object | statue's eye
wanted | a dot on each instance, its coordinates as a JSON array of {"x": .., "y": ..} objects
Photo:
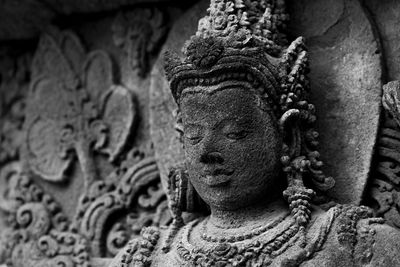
[
  {"x": 235, "y": 131},
  {"x": 193, "y": 134},
  {"x": 236, "y": 135},
  {"x": 193, "y": 139}
]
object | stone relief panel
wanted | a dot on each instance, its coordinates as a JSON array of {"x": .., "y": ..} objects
[
  {"x": 83, "y": 123},
  {"x": 77, "y": 182}
]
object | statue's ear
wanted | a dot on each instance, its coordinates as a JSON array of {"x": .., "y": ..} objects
[
  {"x": 289, "y": 126},
  {"x": 178, "y": 126}
]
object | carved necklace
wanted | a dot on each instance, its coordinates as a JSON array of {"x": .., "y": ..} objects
[
  {"x": 259, "y": 252},
  {"x": 232, "y": 239}
]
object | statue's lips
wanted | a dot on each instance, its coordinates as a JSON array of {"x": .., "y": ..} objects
[{"x": 218, "y": 177}]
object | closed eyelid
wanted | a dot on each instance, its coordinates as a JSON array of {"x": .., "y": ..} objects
[
  {"x": 236, "y": 125},
  {"x": 193, "y": 133}
]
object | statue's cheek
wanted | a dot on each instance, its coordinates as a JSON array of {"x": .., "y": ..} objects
[{"x": 191, "y": 154}]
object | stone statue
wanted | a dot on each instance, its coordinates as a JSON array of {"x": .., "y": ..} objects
[{"x": 248, "y": 133}]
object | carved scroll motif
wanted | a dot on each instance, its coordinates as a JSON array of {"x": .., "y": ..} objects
[
  {"x": 137, "y": 201},
  {"x": 39, "y": 234},
  {"x": 140, "y": 34},
  {"x": 38, "y": 231}
]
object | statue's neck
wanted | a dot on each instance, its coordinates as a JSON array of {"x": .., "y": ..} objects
[{"x": 248, "y": 215}]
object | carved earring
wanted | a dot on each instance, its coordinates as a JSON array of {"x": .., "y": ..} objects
[
  {"x": 296, "y": 194},
  {"x": 294, "y": 165},
  {"x": 174, "y": 200},
  {"x": 181, "y": 197},
  {"x": 183, "y": 193}
]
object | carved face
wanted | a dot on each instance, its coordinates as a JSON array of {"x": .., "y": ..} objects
[{"x": 232, "y": 146}]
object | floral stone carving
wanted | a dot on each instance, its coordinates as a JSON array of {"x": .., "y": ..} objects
[{"x": 75, "y": 108}]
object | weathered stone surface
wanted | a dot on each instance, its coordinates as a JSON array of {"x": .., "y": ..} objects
[
  {"x": 346, "y": 88},
  {"x": 76, "y": 6},
  {"x": 23, "y": 19},
  {"x": 387, "y": 18},
  {"x": 345, "y": 81}
]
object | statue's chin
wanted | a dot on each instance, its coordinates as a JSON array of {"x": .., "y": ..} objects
[{"x": 225, "y": 201}]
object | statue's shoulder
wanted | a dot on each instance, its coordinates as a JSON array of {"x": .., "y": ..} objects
[
  {"x": 357, "y": 236},
  {"x": 156, "y": 246},
  {"x": 380, "y": 242},
  {"x": 138, "y": 251}
]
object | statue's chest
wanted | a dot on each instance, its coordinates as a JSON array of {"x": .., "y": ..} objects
[
  {"x": 281, "y": 246},
  {"x": 265, "y": 250},
  {"x": 324, "y": 258},
  {"x": 223, "y": 256}
]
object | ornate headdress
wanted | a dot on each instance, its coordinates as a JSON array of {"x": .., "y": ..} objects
[{"x": 244, "y": 40}]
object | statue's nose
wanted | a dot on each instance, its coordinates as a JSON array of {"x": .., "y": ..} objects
[{"x": 212, "y": 157}]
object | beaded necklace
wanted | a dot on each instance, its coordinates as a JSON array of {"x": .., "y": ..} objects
[
  {"x": 272, "y": 245},
  {"x": 232, "y": 239}
]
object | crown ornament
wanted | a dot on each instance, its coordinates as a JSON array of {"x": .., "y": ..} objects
[
  {"x": 244, "y": 40},
  {"x": 246, "y": 23}
]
